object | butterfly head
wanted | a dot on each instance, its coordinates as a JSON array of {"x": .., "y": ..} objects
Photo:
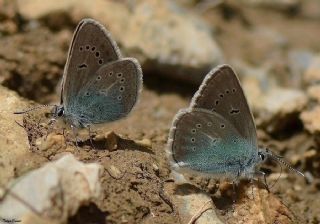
[
  {"x": 58, "y": 111},
  {"x": 266, "y": 153}
]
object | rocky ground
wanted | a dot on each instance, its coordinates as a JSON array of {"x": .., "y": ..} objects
[{"x": 124, "y": 177}]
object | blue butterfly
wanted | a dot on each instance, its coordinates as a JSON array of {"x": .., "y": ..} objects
[
  {"x": 98, "y": 85},
  {"x": 216, "y": 135}
]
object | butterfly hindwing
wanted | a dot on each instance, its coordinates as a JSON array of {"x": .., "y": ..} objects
[
  {"x": 110, "y": 94},
  {"x": 204, "y": 141},
  {"x": 222, "y": 93}
]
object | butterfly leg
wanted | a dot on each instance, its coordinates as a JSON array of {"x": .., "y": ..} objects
[
  {"x": 50, "y": 126},
  {"x": 75, "y": 134},
  {"x": 234, "y": 192},
  {"x": 64, "y": 136},
  {"x": 21, "y": 125},
  {"x": 90, "y": 136},
  {"x": 234, "y": 183},
  {"x": 251, "y": 183},
  {"x": 262, "y": 174}
]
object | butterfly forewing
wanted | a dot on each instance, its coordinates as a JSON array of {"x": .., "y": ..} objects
[
  {"x": 110, "y": 94},
  {"x": 91, "y": 48},
  {"x": 204, "y": 141},
  {"x": 221, "y": 92}
]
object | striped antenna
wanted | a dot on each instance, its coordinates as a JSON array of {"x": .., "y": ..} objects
[
  {"x": 281, "y": 161},
  {"x": 34, "y": 108}
]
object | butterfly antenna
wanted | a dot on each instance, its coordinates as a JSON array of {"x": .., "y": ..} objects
[
  {"x": 33, "y": 108},
  {"x": 281, "y": 161}
]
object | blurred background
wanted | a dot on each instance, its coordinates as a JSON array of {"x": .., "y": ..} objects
[{"x": 273, "y": 45}]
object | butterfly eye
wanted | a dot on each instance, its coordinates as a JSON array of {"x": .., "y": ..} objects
[
  {"x": 97, "y": 54},
  {"x": 193, "y": 139},
  {"x": 121, "y": 88},
  {"x": 87, "y": 47},
  {"x": 221, "y": 95},
  {"x": 227, "y": 91},
  {"x": 262, "y": 157},
  {"x": 110, "y": 73},
  {"x": 81, "y": 48},
  {"x": 222, "y": 126},
  {"x": 122, "y": 80},
  {"x": 217, "y": 102},
  {"x": 99, "y": 77},
  {"x": 193, "y": 131},
  {"x": 93, "y": 48},
  {"x": 60, "y": 112},
  {"x": 87, "y": 94},
  {"x": 100, "y": 62},
  {"x": 199, "y": 125},
  {"x": 119, "y": 97},
  {"x": 193, "y": 148},
  {"x": 233, "y": 90},
  {"x": 119, "y": 75}
]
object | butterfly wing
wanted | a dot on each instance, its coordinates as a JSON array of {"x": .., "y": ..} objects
[
  {"x": 91, "y": 47},
  {"x": 203, "y": 141},
  {"x": 110, "y": 94},
  {"x": 222, "y": 93}
]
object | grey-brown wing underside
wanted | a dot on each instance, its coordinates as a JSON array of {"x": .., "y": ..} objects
[
  {"x": 206, "y": 142},
  {"x": 110, "y": 94},
  {"x": 222, "y": 93},
  {"x": 91, "y": 47}
]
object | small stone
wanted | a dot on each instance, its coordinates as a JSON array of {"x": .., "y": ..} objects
[
  {"x": 191, "y": 204},
  {"x": 310, "y": 153},
  {"x": 297, "y": 187},
  {"x": 295, "y": 159},
  {"x": 52, "y": 140},
  {"x": 114, "y": 172},
  {"x": 309, "y": 177},
  {"x": 112, "y": 140},
  {"x": 155, "y": 167},
  {"x": 144, "y": 142},
  {"x": 277, "y": 176}
]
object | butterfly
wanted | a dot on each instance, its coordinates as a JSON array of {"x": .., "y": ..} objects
[
  {"x": 216, "y": 135},
  {"x": 98, "y": 84}
]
